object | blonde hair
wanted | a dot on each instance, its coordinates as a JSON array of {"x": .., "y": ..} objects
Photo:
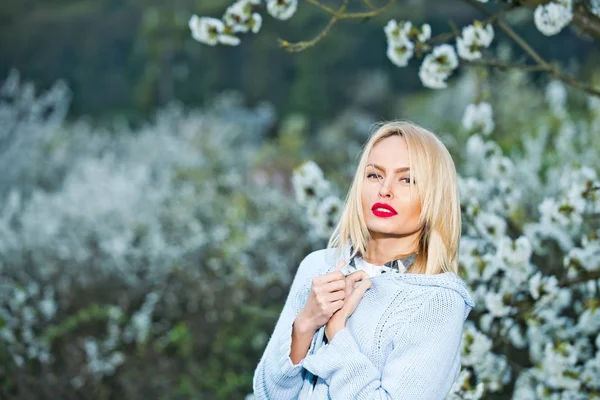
[{"x": 432, "y": 168}]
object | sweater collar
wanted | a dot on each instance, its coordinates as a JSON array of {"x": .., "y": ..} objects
[{"x": 399, "y": 265}]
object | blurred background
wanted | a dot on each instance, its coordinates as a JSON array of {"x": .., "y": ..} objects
[{"x": 149, "y": 230}]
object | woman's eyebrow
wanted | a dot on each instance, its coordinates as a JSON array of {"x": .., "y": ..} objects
[{"x": 401, "y": 169}]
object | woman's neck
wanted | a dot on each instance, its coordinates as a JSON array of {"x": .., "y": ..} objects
[{"x": 382, "y": 250}]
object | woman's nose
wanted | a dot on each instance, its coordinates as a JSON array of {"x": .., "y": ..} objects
[{"x": 384, "y": 190}]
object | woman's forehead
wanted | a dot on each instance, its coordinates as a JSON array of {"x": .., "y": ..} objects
[{"x": 389, "y": 153}]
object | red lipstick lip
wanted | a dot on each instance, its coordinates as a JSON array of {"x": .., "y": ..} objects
[{"x": 384, "y": 214}]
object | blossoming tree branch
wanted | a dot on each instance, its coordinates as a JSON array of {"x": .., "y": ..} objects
[{"x": 406, "y": 40}]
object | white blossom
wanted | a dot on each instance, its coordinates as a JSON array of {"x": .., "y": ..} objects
[
  {"x": 556, "y": 95},
  {"x": 516, "y": 337},
  {"x": 18, "y": 360},
  {"x": 577, "y": 191},
  {"x": 478, "y": 118},
  {"x": 396, "y": 32},
  {"x": 101, "y": 363},
  {"x": 237, "y": 16},
  {"x": 540, "y": 286},
  {"x": 492, "y": 264},
  {"x": 481, "y": 150},
  {"x": 516, "y": 252},
  {"x": 400, "y": 52},
  {"x": 473, "y": 39},
  {"x": 462, "y": 390},
  {"x": 210, "y": 31},
  {"x": 559, "y": 216},
  {"x": 229, "y": 40},
  {"x": 141, "y": 321},
  {"x": 551, "y": 18},
  {"x": 328, "y": 212},
  {"x": 525, "y": 385},
  {"x": 256, "y": 22},
  {"x": 48, "y": 308},
  {"x": 587, "y": 256},
  {"x": 400, "y": 47},
  {"x": 282, "y": 9},
  {"x": 495, "y": 304},
  {"x": 470, "y": 257},
  {"x": 438, "y": 66},
  {"x": 474, "y": 345},
  {"x": 490, "y": 226},
  {"x": 589, "y": 321},
  {"x": 590, "y": 375},
  {"x": 425, "y": 33},
  {"x": 595, "y": 7},
  {"x": 309, "y": 184},
  {"x": 493, "y": 370},
  {"x": 558, "y": 360}
]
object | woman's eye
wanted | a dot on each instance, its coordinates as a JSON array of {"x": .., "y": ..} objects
[{"x": 372, "y": 175}]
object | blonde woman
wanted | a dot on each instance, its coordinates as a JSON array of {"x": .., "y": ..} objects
[{"x": 379, "y": 313}]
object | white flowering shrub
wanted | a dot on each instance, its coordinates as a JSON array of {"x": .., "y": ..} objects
[
  {"x": 28, "y": 121},
  {"x": 134, "y": 253},
  {"x": 128, "y": 254},
  {"x": 530, "y": 249},
  {"x": 442, "y": 54}
]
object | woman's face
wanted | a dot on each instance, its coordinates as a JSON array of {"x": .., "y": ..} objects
[{"x": 386, "y": 202}]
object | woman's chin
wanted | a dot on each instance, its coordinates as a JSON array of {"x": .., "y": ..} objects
[
  {"x": 376, "y": 229},
  {"x": 383, "y": 229}
]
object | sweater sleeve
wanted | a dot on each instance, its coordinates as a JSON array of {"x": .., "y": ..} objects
[
  {"x": 276, "y": 377},
  {"x": 423, "y": 364}
]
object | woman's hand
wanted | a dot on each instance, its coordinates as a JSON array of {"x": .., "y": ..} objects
[
  {"x": 357, "y": 283},
  {"x": 326, "y": 296}
]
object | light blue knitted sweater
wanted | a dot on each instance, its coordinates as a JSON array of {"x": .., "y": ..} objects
[{"x": 401, "y": 342}]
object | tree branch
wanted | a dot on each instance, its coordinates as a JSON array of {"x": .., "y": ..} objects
[
  {"x": 586, "y": 21},
  {"x": 325, "y": 8},
  {"x": 590, "y": 276},
  {"x": 369, "y": 4},
  {"x": 303, "y": 45},
  {"x": 502, "y": 65}
]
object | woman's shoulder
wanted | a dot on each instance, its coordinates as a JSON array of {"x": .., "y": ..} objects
[
  {"x": 326, "y": 255},
  {"x": 319, "y": 261},
  {"x": 448, "y": 290}
]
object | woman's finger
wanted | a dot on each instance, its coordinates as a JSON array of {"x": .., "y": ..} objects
[
  {"x": 335, "y": 285},
  {"x": 361, "y": 288},
  {"x": 339, "y": 295},
  {"x": 357, "y": 276},
  {"x": 366, "y": 285},
  {"x": 355, "y": 296},
  {"x": 330, "y": 277},
  {"x": 335, "y": 275}
]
